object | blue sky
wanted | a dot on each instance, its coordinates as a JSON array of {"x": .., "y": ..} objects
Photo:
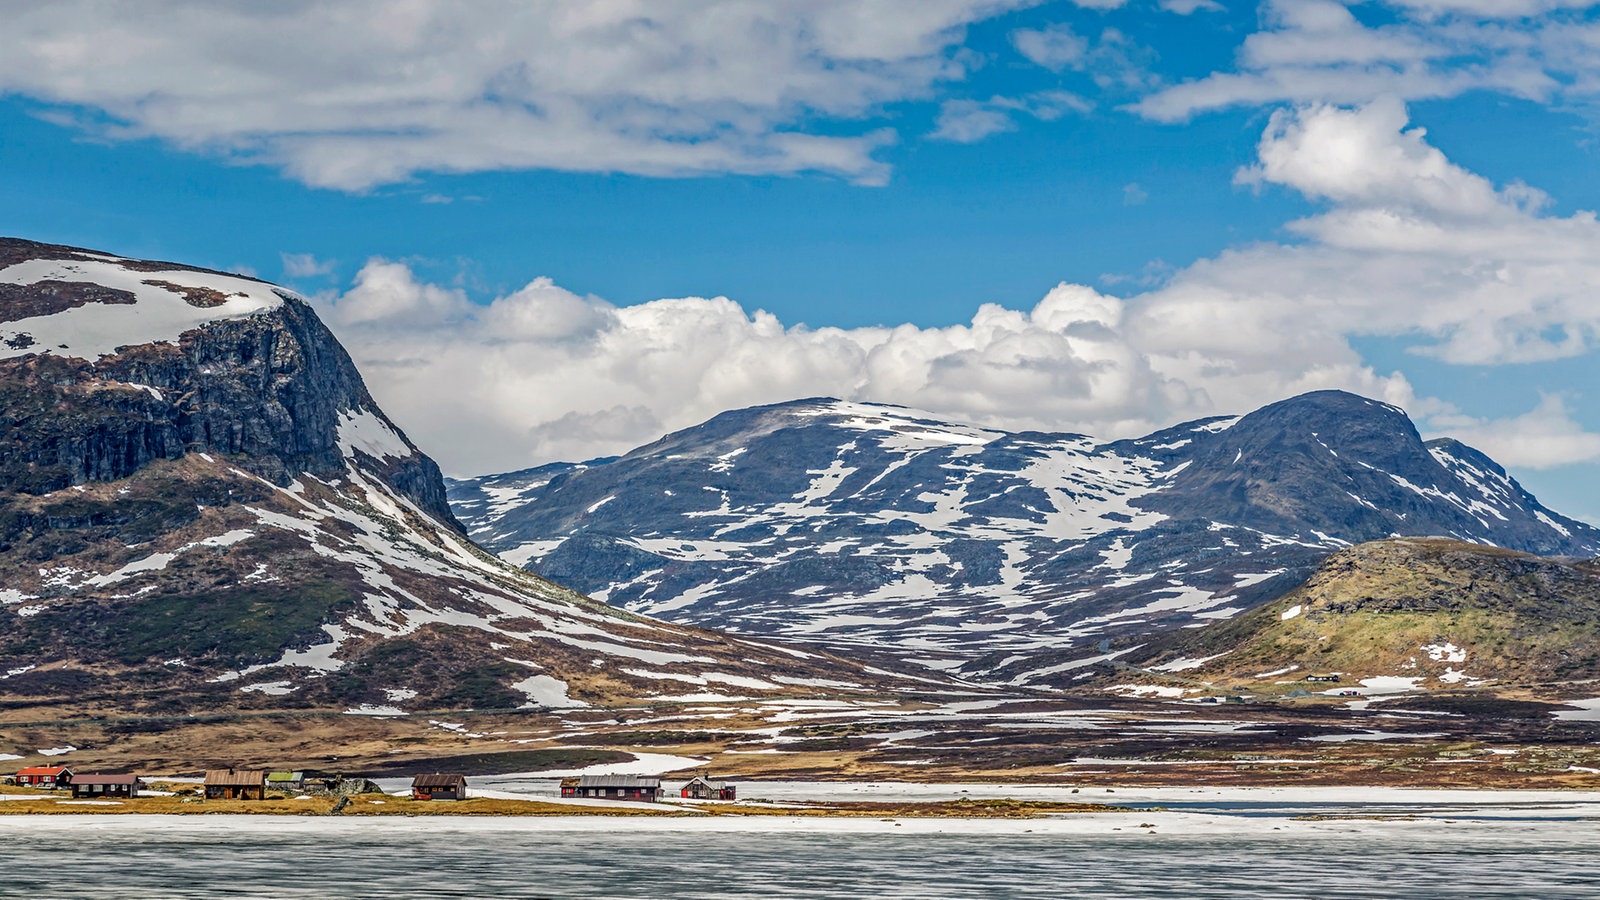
[{"x": 558, "y": 230}]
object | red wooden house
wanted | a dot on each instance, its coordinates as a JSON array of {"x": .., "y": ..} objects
[{"x": 48, "y": 777}]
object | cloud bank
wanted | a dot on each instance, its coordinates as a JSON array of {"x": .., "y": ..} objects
[
  {"x": 1409, "y": 246},
  {"x": 1320, "y": 51},
  {"x": 357, "y": 93}
]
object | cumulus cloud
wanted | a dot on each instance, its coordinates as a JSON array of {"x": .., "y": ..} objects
[
  {"x": 1319, "y": 51},
  {"x": 1542, "y": 438},
  {"x": 1410, "y": 247},
  {"x": 305, "y": 265},
  {"x": 358, "y": 93}
]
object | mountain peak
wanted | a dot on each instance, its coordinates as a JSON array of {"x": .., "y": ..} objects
[
  {"x": 856, "y": 524},
  {"x": 77, "y": 303}
]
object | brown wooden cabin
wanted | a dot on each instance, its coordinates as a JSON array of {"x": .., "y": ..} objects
[
  {"x": 702, "y": 788},
  {"x": 618, "y": 787},
  {"x": 236, "y": 784},
  {"x": 94, "y": 787},
  {"x": 439, "y": 787},
  {"x": 47, "y": 777}
]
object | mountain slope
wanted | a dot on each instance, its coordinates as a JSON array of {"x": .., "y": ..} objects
[
  {"x": 201, "y": 507},
  {"x": 1003, "y": 556},
  {"x": 1413, "y": 613}
]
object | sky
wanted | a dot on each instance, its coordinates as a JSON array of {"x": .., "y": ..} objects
[{"x": 558, "y": 230}]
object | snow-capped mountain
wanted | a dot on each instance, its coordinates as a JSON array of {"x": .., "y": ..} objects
[
  {"x": 1009, "y": 557},
  {"x": 201, "y": 507}
]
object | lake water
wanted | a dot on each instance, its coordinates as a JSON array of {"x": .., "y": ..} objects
[{"x": 1188, "y": 855}]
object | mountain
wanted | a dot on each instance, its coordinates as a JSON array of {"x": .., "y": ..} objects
[
  {"x": 1006, "y": 557},
  {"x": 202, "y": 508},
  {"x": 1404, "y": 614}
]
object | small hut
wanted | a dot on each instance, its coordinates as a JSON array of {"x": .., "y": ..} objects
[
  {"x": 569, "y": 787},
  {"x": 236, "y": 784},
  {"x": 47, "y": 777},
  {"x": 702, "y": 787},
  {"x": 619, "y": 787},
  {"x": 439, "y": 787},
  {"x": 100, "y": 787}
]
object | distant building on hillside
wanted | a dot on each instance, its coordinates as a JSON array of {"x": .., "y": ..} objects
[
  {"x": 1327, "y": 678},
  {"x": 615, "y": 787},
  {"x": 701, "y": 787},
  {"x": 439, "y": 787},
  {"x": 100, "y": 787},
  {"x": 47, "y": 777},
  {"x": 236, "y": 784}
]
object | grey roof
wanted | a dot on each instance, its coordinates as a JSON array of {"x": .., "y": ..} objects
[
  {"x": 619, "y": 781},
  {"x": 713, "y": 785}
]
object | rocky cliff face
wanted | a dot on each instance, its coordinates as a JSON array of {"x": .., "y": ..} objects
[
  {"x": 1007, "y": 557},
  {"x": 201, "y": 507},
  {"x": 274, "y": 389}
]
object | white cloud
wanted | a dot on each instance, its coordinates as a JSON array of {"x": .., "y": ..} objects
[
  {"x": 1319, "y": 51},
  {"x": 967, "y": 121},
  {"x": 305, "y": 265},
  {"x": 1055, "y": 47},
  {"x": 1133, "y": 194},
  {"x": 1542, "y": 438},
  {"x": 1411, "y": 247},
  {"x": 357, "y": 93},
  {"x": 1190, "y": 7}
]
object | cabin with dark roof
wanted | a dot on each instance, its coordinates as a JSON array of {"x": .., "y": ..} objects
[
  {"x": 701, "y": 787},
  {"x": 439, "y": 787},
  {"x": 616, "y": 787},
  {"x": 101, "y": 787},
  {"x": 236, "y": 784},
  {"x": 47, "y": 777}
]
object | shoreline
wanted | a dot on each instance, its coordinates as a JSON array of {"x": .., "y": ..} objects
[{"x": 1023, "y": 805}]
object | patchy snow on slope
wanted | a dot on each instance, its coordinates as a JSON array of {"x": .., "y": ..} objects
[
  {"x": 546, "y": 692},
  {"x": 1446, "y": 652},
  {"x": 158, "y": 315},
  {"x": 361, "y": 430}
]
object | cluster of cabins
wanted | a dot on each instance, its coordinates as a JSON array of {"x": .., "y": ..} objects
[
  {"x": 91, "y": 785},
  {"x": 253, "y": 784},
  {"x": 643, "y": 788}
]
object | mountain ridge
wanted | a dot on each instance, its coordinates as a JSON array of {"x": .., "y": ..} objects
[
  {"x": 204, "y": 509},
  {"x": 990, "y": 553}
]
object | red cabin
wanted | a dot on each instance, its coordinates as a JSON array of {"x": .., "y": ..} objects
[{"x": 47, "y": 777}]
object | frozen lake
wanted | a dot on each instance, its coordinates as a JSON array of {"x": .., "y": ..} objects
[{"x": 1521, "y": 846}]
